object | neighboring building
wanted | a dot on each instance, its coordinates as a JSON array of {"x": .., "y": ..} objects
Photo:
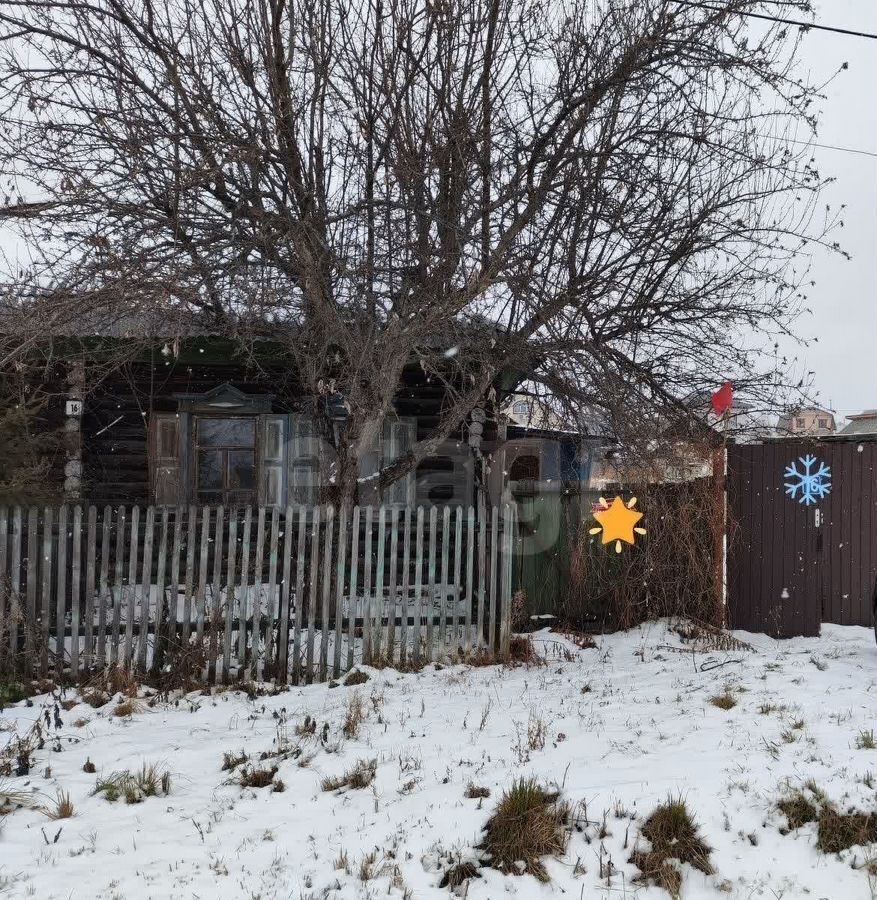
[
  {"x": 863, "y": 423},
  {"x": 807, "y": 421}
]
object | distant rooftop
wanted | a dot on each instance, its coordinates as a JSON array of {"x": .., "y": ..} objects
[{"x": 864, "y": 422}]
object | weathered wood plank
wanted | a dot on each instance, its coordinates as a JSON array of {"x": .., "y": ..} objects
[
  {"x": 470, "y": 575},
  {"x": 456, "y": 619},
  {"x": 327, "y": 591},
  {"x": 145, "y": 587},
  {"x": 15, "y": 581},
  {"x": 33, "y": 567},
  {"x": 506, "y": 597},
  {"x": 354, "y": 584},
  {"x": 482, "y": 572},
  {"x": 379, "y": 584},
  {"x": 133, "y": 551},
  {"x": 75, "y": 590},
  {"x": 215, "y": 617},
  {"x": 341, "y": 562},
  {"x": 203, "y": 562},
  {"x": 494, "y": 547},
  {"x": 106, "y": 525},
  {"x": 119, "y": 587},
  {"x": 367, "y": 588},
  {"x": 229, "y": 605},
  {"x": 90, "y": 578},
  {"x": 313, "y": 571},
  {"x": 4, "y": 586},
  {"x": 61, "y": 594},
  {"x": 418, "y": 587},
  {"x": 174, "y": 584},
  {"x": 285, "y": 599},
  {"x": 255, "y": 666},
  {"x": 301, "y": 550},
  {"x": 404, "y": 595},
  {"x": 158, "y": 647},
  {"x": 443, "y": 603},
  {"x": 430, "y": 597},
  {"x": 46, "y": 593},
  {"x": 271, "y": 611},
  {"x": 189, "y": 601},
  {"x": 390, "y": 639},
  {"x": 244, "y": 599}
]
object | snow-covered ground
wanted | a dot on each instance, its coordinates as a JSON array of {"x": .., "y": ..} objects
[{"x": 625, "y": 725}]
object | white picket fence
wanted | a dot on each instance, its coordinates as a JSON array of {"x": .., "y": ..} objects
[{"x": 299, "y": 594}]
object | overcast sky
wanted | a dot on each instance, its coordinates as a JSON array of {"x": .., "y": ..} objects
[{"x": 844, "y": 301}]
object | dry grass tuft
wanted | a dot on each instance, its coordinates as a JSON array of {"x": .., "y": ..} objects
[
  {"x": 148, "y": 781},
  {"x": 355, "y": 677},
  {"x": 233, "y": 760},
  {"x": 798, "y": 809},
  {"x": 354, "y": 714},
  {"x": 127, "y": 708},
  {"x": 522, "y": 652},
  {"x": 839, "y": 831},
  {"x": 473, "y": 791},
  {"x": 725, "y": 700},
  {"x": 865, "y": 740},
  {"x": 257, "y": 778},
  {"x": 528, "y": 823},
  {"x": 673, "y": 834},
  {"x": 89, "y": 767},
  {"x": 458, "y": 874},
  {"x": 62, "y": 807},
  {"x": 359, "y": 777}
]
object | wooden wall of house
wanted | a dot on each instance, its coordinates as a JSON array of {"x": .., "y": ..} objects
[{"x": 116, "y": 411}]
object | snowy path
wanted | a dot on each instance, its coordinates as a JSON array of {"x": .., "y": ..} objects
[{"x": 644, "y": 729}]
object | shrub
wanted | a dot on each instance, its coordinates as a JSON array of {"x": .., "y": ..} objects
[
  {"x": 522, "y": 652},
  {"x": 865, "y": 740},
  {"x": 88, "y": 767},
  {"x": 528, "y": 823},
  {"x": 673, "y": 834}
]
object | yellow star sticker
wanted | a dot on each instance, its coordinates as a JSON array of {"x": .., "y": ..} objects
[{"x": 618, "y": 522}]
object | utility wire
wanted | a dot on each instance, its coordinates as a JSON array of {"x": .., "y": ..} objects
[{"x": 805, "y": 25}]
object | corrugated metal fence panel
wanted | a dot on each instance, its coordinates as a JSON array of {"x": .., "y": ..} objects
[
  {"x": 769, "y": 589},
  {"x": 793, "y": 565}
]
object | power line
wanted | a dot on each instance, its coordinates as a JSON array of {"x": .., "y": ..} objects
[
  {"x": 830, "y": 146},
  {"x": 805, "y": 25}
]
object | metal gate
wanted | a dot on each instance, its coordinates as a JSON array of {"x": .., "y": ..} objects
[{"x": 797, "y": 560}]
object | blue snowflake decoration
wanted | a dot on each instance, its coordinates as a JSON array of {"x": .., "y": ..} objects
[{"x": 808, "y": 484}]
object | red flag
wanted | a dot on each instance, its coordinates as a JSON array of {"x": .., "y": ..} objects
[{"x": 723, "y": 399}]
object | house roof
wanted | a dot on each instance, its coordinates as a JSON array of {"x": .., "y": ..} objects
[{"x": 861, "y": 423}]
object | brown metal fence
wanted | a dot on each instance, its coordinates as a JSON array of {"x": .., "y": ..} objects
[
  {"x": 302, "y": 593},
  {"x": 794, "y": 564}
]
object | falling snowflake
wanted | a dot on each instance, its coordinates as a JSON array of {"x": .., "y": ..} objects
[{"x": 812, "y": 484}]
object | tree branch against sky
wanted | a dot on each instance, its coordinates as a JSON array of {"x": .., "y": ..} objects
[{"x": 600, "y": 189}]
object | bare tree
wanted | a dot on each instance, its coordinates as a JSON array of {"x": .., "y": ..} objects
[{"x": 609, "y": 193}]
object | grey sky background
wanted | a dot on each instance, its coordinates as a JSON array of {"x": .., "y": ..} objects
[{"x": 844, "y": 300}]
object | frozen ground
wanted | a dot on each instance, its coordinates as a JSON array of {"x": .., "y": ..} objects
[{"x": 625, "y": 724}]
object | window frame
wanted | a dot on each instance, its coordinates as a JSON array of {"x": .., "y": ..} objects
[{"x": 197, "y": 448}]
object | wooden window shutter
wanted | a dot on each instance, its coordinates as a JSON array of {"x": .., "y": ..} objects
[
  {"x": 399, "y": 435},
  {"x": 305, "y": 461},
  {"x": 166, "y": 432},
  {"x": 272, "y": 459}
]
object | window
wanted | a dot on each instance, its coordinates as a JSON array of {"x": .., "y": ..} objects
[
  {"x": 225, "y": 459},
  {"x": 799, "y": 423},
  {"x": 525, "y": 468},
  {"x": 521, "y": 408},
  {"x": 823, "y": 423}
]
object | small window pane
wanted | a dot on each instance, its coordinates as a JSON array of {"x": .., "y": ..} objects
[
  {"x": 227, "y": 432},
  {"x": 241, "y": 470},
  {"x": 168, "y": 442},
  {"x": 210, "y": 470},
  {"x": 273, "y": 449}
]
